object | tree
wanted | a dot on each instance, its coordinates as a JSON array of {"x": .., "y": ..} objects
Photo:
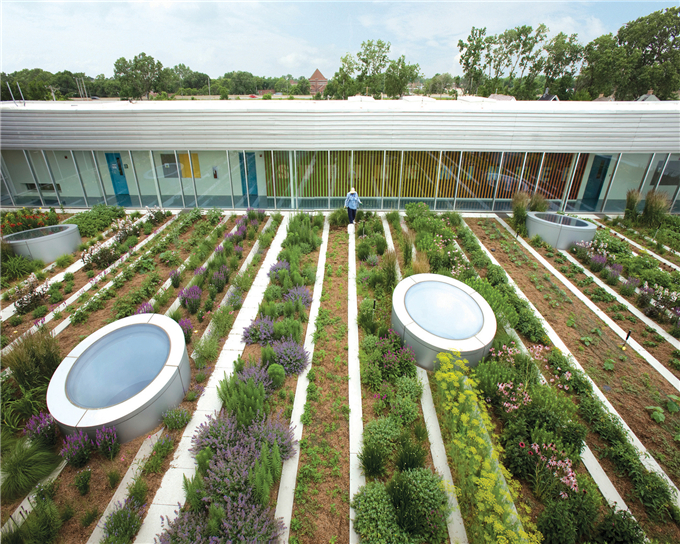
[
  {"x": 139, "y": 76},
  {"x": 242, "y": 83},
  {"x": 302, "y": 87},
  {"x": 224, "y": 92},
  {"x": 343, "y": 85},
  {"x": 561, "y": 64},
  {"x": 372, "y": 60},
  {"x": 601, "y": 70},
  {"x": 398, "y": 75},
  {"x": 652, "y": 53},
  {"x": 471, "y": 58}
]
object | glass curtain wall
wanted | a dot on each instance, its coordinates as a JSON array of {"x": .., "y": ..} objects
[
  {"x": 510, "y": 180},
  {"x": 368, "y": 176},
  {"x": 653, "y": 175},
  {"x": 341, "y": 177},
  {"x": 393, "y": 171},
  {"x": 89, "y": 176},
  {"x": 668, "y": 180},
  {"x": 312, "y": 179},
  {"x": 279, "y": 180},
  {"x": 65, "y": 176},
  {"x": 630, "y": 175},
  {"x": 142, "y": 161},
  {"x": 19, "y": 180},
  {"x": 478, "y": 173},
  {"x": 591, "y": 182},
  {"x": 448, "y": 180},
  {"x": 419, "y": 177},
  {"x": 213, "y": 183},
  {"x": 189, "y": 167},
  {"x": 42, "y": 175},
  {"x": 165, "y": 166}
]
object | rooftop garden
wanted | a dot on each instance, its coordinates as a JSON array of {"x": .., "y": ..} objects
[{"x": 307, "y": 418}]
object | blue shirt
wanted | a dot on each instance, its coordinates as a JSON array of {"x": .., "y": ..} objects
[{"x": 352, "y": 201}]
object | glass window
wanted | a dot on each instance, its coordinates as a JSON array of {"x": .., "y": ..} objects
[
  {"x": 629, "y": 176},
  {"x": 279, "y": 179},
  {"x": 668, "y": 180},
  {"x": 118, "y": 178},
  {"x": 341, "y": 177},
  {"x": 19, "y": 180},
  {"x": 509, "y": 180},
  {"x": 146, "y": 177},
  {"x": 367, "y": 172},
  {"x": 591, "y": 181},
  {"x": 213, "y": 185},
  {"x": 312, "y": 179},
  {"x": 88, "y": 174},
  {"x": 555, "y": 175},
  {"x": 66, "y": 178},
  {"x": 255, "y": 176},
  {"x": 187, "y": 180},
  {"x": 392, "y": 183},
  {"x": 653, "y": 174},
  {"x": 448, "y": 180},
  {"x": 419, "y": 177},
  {"x": 479, "y": 171},
  {"x": 166, "y": 169},
  {"x": 238, "y": 178},
  {"x": 41, "y": 173}
]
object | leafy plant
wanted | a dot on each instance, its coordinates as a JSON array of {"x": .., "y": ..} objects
[
  {"x": 656, "y": 413},
  {"x": 82, "y": 481},
  {"x": 89, "y": 516},
  {"x": 372, "y": 458},
  {"x": 23, "y": 465},
  {"x": 177, "y": 418}
]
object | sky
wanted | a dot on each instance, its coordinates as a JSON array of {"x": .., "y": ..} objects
[{"x": 277, "y": 37}]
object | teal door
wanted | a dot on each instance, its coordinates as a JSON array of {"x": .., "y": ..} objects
[
  {"x": 595, "y": 182},
  {"x": 118, "y": 180},
  {"x": 249, "y": 177}
]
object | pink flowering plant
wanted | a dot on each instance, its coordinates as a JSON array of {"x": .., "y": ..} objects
[{"x": 553, "y": 473}]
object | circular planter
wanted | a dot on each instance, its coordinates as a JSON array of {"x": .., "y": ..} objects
[
  {"x": 560, "y": 231},
  {"x": 45, "y": 243},
  {"x": 124, "y": 375},
  {"x": 434, "y": 313}
]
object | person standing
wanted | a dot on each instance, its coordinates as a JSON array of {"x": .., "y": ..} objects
[{"x": 352, "y": 203}]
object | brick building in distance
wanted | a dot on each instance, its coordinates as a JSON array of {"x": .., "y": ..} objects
[{"x": 317, "y": 83}]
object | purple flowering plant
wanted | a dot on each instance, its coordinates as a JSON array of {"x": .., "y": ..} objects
[
  {"x": 260, "y": 331},
  {"x": 276, "y": 267},
  {"x": 77, "y": 449},
  {"x": 190, "y": 298},
  {"x": 106, "y": 440},
  {"x": 42, "y": 427},
  {"x": 290, "y": 355},
  {"x": 175, "y": 278},
  {"x": 300, "y": 293},
  {"x": 145, "y": 308},
  {"x": 187, "y": 329}
]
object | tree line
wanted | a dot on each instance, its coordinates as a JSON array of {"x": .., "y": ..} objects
[
  {"x": 521, "y": 61},
  {"x": 643, "y": 55}
]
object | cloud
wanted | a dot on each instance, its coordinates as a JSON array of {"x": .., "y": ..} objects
[{"x": 274, "y": 38}]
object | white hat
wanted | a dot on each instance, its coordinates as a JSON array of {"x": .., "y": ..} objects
[{"x": 352, "y": 190}]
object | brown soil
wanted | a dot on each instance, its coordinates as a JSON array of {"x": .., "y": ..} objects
[
  {"x": 322, "y": 507},
  {"x": 630, "y": 387},
  {"x": 661, "y": 352}
]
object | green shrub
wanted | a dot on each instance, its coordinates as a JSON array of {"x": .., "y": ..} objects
[
  {"x": 161, "y": 449},
  {"x": 122, "y": 524},
  {"x": 557, "y": 524},
  {"x": 619, "y": 527},
  {"x": 383, "y": 432},
  {"x": 365, "y": 316},
  {"x": 277, "y": 374},
  {"x": 23, "y": 465},
  {"x": 89, "y": 516},
  {"x": 177, "y": 418},
  {"x": 372, "y": 458},
  {"x": 421, "y": 503},
  {"x": 137, "y": 490},
  {"x": 338, "y": 218},
  {"x": 288, "y": 328},
  {"x": 15, "y": 320},
  {"x": 42, "y": 524},
  {"x": 82, "y": 481},
  {"x": 410, "y": 455},
  {"x": 380, "y": 244},
  {"x": 17, "y": 266},
  {"x": 64, "y": 261},
  {"x": 655, "y": 209},
  {"x": 113, "y": 477},
  {"x": 376, "y": 520},
  {"x": 243, "y": 399},
  {"x": 34, "y": 359},
  {"x": 363, "y": 251}
]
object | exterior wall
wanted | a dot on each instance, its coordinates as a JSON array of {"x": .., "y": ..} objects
[{"x": 465, "y": 156}]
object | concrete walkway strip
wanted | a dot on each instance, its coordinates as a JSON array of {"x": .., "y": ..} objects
[
  {"x": 640, "y": 247},
  {"x": 455, "y": 524},
  {"x": 171, "y": 493},
  {"x": 286, "y": 496},
  {"x": 661, "y": 369},
  {"x": 645, "y": 457},
  {"x": 356, "y": 425},
  {"x": 390, "y": 242},
  {"x": 121, "y": 493},
  {"x": 621, "y": 300}
]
